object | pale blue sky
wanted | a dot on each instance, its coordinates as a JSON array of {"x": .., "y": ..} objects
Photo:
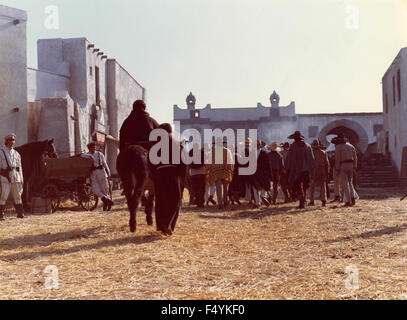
[{"x": 236, "y": 52}]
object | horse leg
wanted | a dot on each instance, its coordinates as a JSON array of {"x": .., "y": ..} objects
[
  {"x": 129, "y": 198},
  {"x": 149, "y": 209},
  {"x": 134, "y": 202}
]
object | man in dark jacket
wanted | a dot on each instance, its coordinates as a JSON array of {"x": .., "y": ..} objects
[
  {"x": 137, "y": 127},
  {"x": 262, "y": 176},
  {"x": 277, "y": 168},
  {"x": 321, "y": 172},
  {"x": 168, "y": 188},
  {"x": 300, "y": 166}
]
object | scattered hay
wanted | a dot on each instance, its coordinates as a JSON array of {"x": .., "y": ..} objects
[{"x": 276, "y": 253}]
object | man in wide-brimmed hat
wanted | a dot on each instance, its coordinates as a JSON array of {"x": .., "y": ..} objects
[
  {"x": 277, "y": 169},
  {"x": 345, "y": 164},
  {"x": 321, "y": 172},
  {"x": 11, "y": 176},
  {"x": 296, "y": 136},
  {"x": 300, "y": 166}
]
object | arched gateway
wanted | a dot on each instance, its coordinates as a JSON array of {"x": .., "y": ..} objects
[{"x": 351, "y": 129}]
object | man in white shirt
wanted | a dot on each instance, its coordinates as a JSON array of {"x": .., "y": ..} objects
[
  {"x": 99, "y": 176},
  {"x": 11, "y": 176}
]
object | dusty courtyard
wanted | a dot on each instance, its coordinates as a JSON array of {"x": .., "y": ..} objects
[{"x": 276, "y": 253}]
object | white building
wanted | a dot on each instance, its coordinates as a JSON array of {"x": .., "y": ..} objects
[
  {"x": 394, "y": 85},
  {"x": 276, "y": 123},
  {"x": 77, "y": 94}
]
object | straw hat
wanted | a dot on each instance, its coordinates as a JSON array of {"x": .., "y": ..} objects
[{"x": 274, "y": 147}]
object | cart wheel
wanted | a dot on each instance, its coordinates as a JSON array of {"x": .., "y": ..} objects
[
  {"x": 50, "y": 191},
  {"x": 88, "y": 200}
]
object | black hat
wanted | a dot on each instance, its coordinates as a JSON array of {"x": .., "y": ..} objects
[
  {"x": 340, "y": 138},
  {"x": 296, "y": 135}
]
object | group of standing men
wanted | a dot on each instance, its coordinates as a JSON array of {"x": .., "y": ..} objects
[{"x": 294, "y": 168}]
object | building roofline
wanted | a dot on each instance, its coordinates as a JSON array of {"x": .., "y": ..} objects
[
  {"x": 13, "y": 13},
  {"x": 126, "y": 72},
  {"x": 394, "y": 61},
  {"x": 338, "y": 114}
]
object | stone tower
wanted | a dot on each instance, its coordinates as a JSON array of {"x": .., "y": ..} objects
[
  {"x": 191, "y": 101},
  {"x": 275, "y": 100}
]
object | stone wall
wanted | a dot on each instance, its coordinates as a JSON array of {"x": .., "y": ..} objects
[
  {"x": 13, "y": 73},
  {"x": 122, "y": 91},
  {"x": 57, "y": 123}
]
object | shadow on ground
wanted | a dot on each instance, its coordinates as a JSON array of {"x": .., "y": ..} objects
[
  {"x": 371, "y": 234},
  {"x": 46, "y": 239},
  {"x": 84, "y": 247}
]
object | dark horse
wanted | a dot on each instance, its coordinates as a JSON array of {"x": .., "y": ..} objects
[
  {"x": 132, "y": 167},
  {"x": 32, "y": 156}
]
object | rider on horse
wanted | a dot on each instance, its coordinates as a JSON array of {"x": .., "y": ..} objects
[{"x": 137, "y": 127}]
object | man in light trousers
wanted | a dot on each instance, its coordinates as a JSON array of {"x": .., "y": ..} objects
[
  {"x": 345, "y": 164},
  {"x": 99, "y": 176},
  {"x": 11, "y": 176}
]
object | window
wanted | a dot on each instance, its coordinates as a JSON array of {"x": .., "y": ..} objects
[
  {"x": 394, "y": 92},
  {"x": 398, "y": 85},
  {"x": 90, "y": 72},
  {"x": 194, "y": 114},
  {"x": 313, "y": 131},
  {"x": 97, "y": 89}
]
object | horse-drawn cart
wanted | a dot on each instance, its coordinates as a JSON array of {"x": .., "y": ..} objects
[{"x": 68, "y": 178}]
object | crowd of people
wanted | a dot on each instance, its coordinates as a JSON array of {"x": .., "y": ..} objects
[{"x": 294, "y": 168}]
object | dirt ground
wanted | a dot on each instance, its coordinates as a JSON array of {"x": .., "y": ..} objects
[{"x": 269, "y": 253}]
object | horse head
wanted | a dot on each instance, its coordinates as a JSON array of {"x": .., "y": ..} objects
[{"x": 49, "y": 149}]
